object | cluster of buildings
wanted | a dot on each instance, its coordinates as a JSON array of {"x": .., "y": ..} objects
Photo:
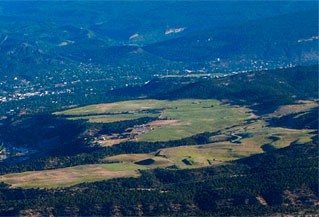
[{"x": 21, "y": 96}]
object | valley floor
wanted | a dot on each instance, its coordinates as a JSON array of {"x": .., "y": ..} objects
[{"x": 241, "y": 133}]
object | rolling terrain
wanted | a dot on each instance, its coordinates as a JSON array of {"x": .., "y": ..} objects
[
  {"x": 287, "y": 38},
  {"x": 278, "y": 180},
  {"x": 62, "y": 61},
  {"x": 167, "y": 108},
  {"x": 177, "y": 119},
  {"x": 236, "y": 133}
]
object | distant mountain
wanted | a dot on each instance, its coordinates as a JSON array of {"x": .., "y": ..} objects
[
  {"x": 42, "y": 37},
  {"x": 26, "y": 58},
  {"x": 291, "y": 38}
]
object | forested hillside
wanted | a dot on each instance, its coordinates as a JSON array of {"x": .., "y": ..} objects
[
  {"x": 262, "y": 90},
  {"x": 286, "y": 38},
  {"x": 281, "y": 182}
]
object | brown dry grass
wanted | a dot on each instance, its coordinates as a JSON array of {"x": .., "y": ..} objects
[
  {"x": 111, "y": 142},
  {"x": 303, "y": 105},
  {"x": 63, "y": 177},
  {"x": 127, "y": 158},
  {"x": 159, "y": 123}
]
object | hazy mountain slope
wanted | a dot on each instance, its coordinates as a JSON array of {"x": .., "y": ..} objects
[
  {"x": 288, "y": 38},
  {"x": 42, "y": 37}
]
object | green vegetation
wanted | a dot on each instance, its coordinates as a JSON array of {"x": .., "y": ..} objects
[
  {"x": 192, "y": 116},
  {"x": 198, "y": 156},
  {"x": 265, "y": 184},
  {"x": 235, "y": 133},
  {"x": 243, "y": 42},
  {"x": 204, "y": 150},
  {"x": 126, "y": 106},
  {"x": 243, "y": 143},
  {"x": 172, "y": 137},
  {"x": 263, "y": 91},
  {"x": 260, "y": 132},
  {"x": 302, "y": 120}
]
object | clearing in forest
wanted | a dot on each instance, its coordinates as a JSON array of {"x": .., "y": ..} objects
[{"x": 177, "y": 119}]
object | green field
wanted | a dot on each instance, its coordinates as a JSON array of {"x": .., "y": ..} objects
[
  {"x": 260, "y": 133},
  {"x": 177, "y": 119},
  {"x": 225, "y": 151},
  {"x": 187, "y": 157},
  {"x": 113, "y": 118},
  {"x": 196, "y": 155},
  {"x": 133, "y": 105},
  {"x": 192, "y": 116}
]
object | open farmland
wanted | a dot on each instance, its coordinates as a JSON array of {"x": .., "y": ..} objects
[
  {"x": 181, "y": 118},
  {"x": 78, "y": 174},
  {"x": 260, "y": 133},
  {"x": 241, "y": 134},
  {"x": 67, "y": 176},
  {"x": 125, "y": 106},
  {"x": 231, "y": 144},
  {"x": 182, "y": 157}
]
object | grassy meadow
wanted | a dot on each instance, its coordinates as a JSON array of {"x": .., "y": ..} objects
[
  {"x": 177, "y": 119},
  {"x": 192, "y": 116}
]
